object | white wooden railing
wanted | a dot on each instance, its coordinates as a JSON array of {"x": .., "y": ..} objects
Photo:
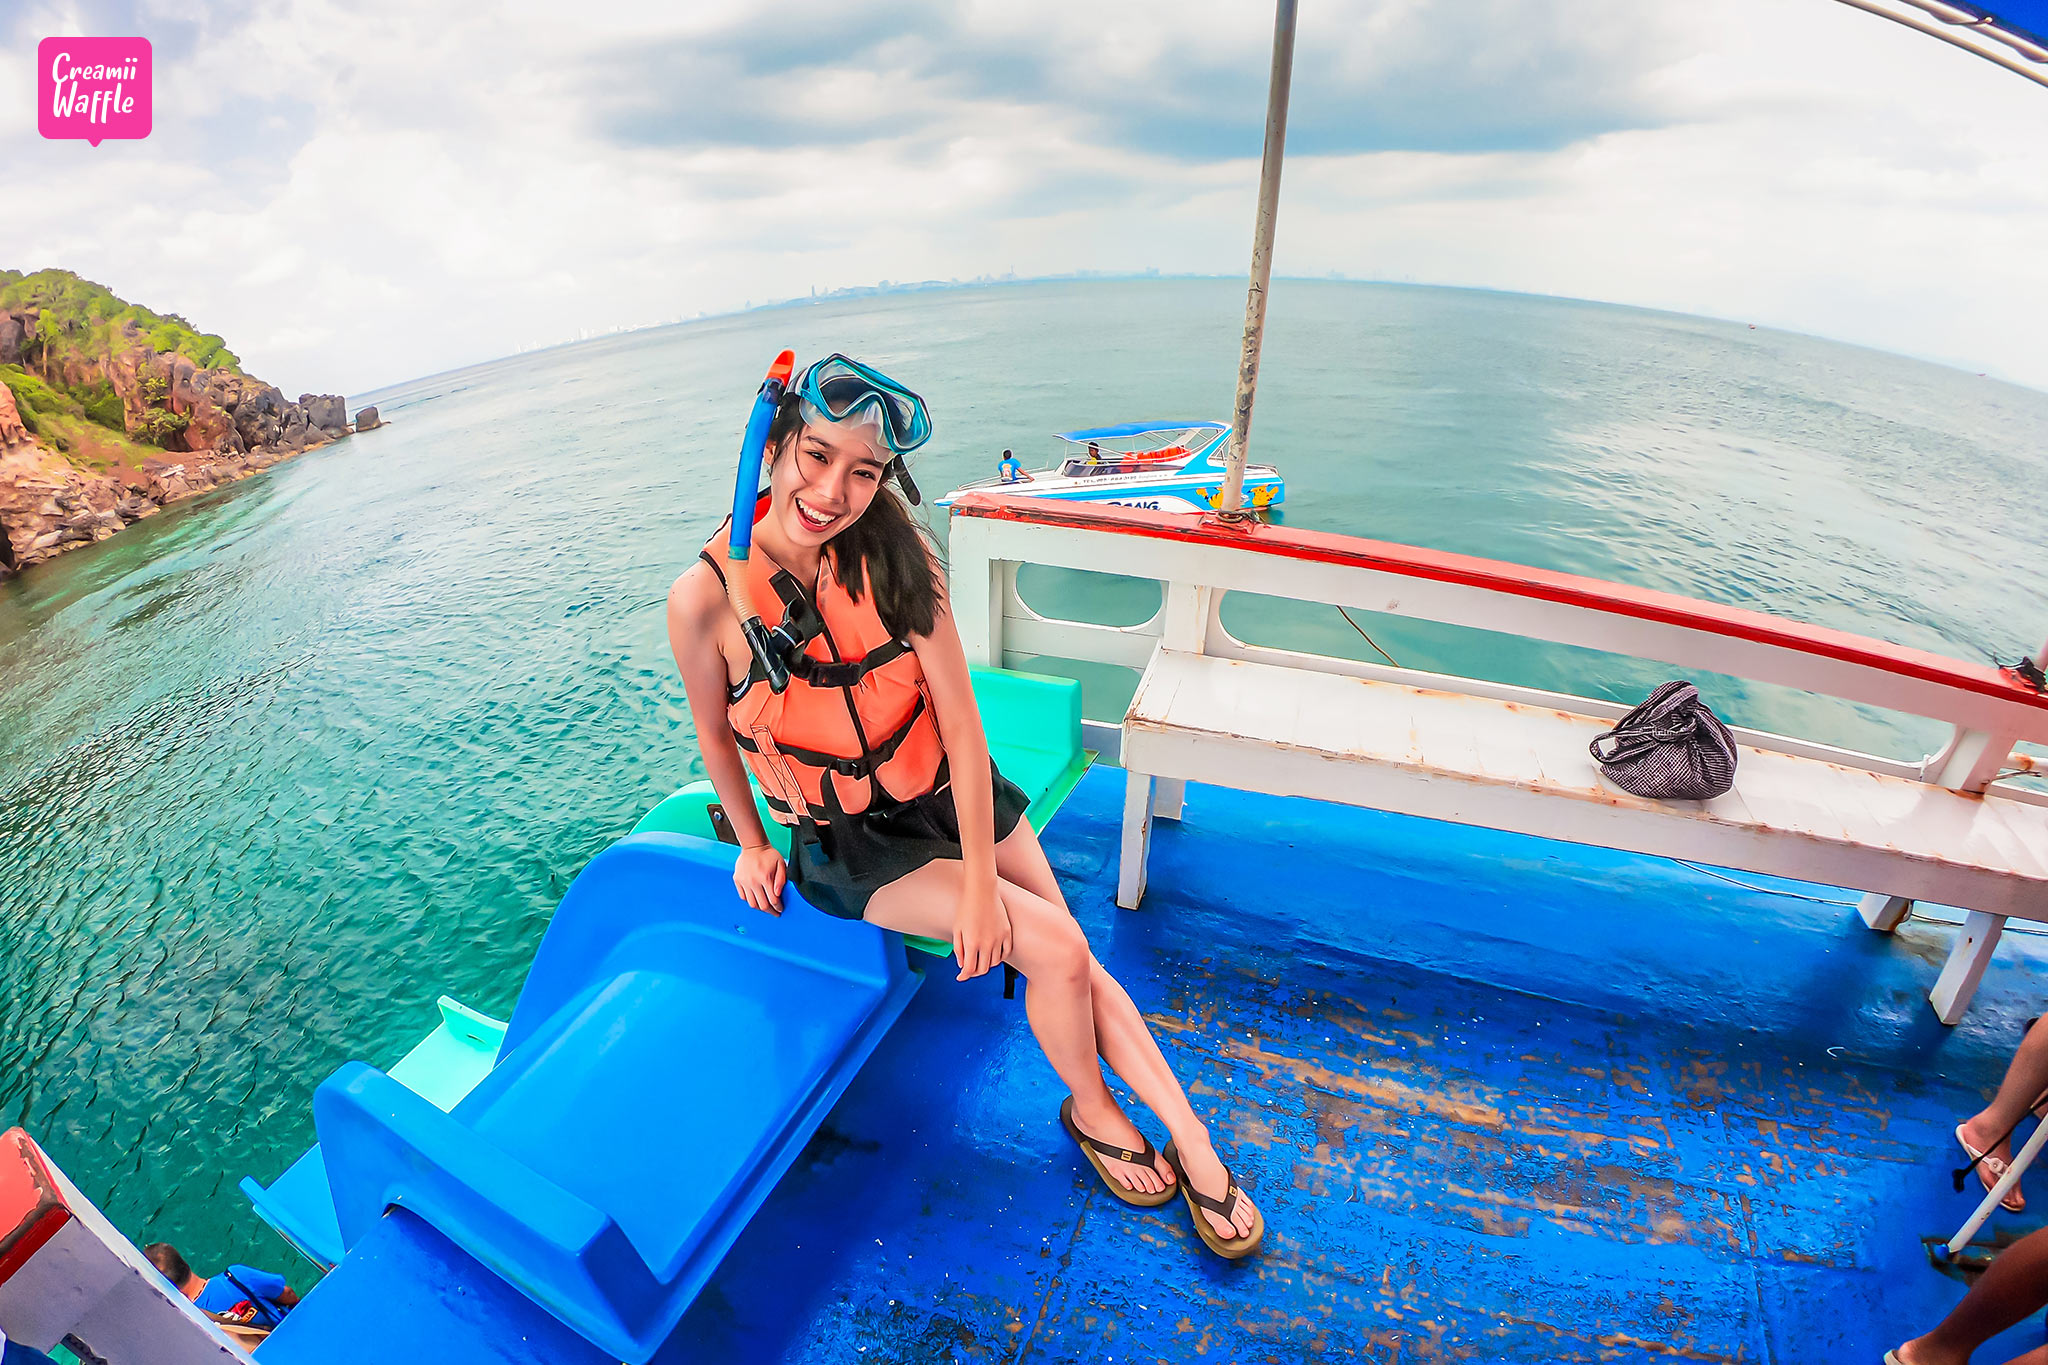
[{"x": 1198, "y": 561}]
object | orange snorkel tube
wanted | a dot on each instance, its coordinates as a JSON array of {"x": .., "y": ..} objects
[{"x": 768, "y": 644}]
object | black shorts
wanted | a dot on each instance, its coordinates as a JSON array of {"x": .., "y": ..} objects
[{"x": 838, "y": 866}]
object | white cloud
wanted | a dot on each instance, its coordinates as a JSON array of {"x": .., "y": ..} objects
[{"x": 355, "y": 194}]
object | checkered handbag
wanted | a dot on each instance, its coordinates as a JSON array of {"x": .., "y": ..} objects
[{"x": 1671, "y": 747}]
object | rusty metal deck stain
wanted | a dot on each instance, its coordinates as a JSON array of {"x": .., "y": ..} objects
[{"x": 1500, "y": 1099}]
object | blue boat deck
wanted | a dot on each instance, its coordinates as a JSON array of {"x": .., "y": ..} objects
[{"x": 1500, "y": 1099}]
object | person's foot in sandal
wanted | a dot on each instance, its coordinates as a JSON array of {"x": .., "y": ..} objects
[
  {"x": 1991, "y": 1165},
  {"x": 1120, "y": 1154},
  {"x": 1225, "y": 1217}
]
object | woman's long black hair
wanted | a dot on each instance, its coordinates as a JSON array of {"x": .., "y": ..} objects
[{"x": 885, "y": 547}]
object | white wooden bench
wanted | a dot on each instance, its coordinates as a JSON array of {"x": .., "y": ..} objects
[
  {"x": 1949, "y": 828},
  {"x": 1508, "y": 765}
]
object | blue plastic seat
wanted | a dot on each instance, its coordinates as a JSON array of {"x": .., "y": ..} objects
[
  {"x": 670, "y": 1054},
  {"x": 443, "y": 1067}
]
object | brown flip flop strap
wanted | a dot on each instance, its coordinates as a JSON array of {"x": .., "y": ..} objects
[
  {"x": 1222, "y": 1208},
  {"x": 1137, "y": 1158}
]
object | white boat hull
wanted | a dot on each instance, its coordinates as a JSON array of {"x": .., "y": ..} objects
[{"x": 1263, "y": 487}]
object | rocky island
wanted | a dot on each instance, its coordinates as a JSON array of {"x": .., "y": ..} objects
[{"x": 108, "y": 411}]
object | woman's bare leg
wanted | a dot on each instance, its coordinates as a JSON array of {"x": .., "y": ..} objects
[
  {"x": 2025, "y": 1078},
  {"x": 1126, "y": 1043},
  {"x": 1052, "y": 953},
  {"x": 2003, "y": 1295}
]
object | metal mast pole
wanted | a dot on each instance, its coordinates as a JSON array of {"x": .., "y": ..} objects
[{"x": 1262, "y": 258}]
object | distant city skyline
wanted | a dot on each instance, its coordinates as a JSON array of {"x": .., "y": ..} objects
[{"x": 355, "y": 198}]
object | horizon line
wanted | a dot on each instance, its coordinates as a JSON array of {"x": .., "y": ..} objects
[{"x": 883, "y": 287}]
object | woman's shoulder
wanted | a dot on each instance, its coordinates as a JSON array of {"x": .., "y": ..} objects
[{"x": 696, "y": 594}]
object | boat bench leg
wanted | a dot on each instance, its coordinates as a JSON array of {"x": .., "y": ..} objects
[
  {"x": 1137, "y": 840},
  {"x": 1169, "y": 794},
  {"x": 1883, "y": 913},
  {"x": 1965, "y": 965}
]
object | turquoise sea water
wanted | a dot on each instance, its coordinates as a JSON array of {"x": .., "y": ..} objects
[{"x": 282, "y": 764}]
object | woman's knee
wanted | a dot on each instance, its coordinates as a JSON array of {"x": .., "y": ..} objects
[{"x": 1046, "y": 942}]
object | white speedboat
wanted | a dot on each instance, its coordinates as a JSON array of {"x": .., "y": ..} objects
[{"x": 1159, "y": 466}]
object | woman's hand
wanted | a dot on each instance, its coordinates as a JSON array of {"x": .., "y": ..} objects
[
  {"x": 981, "y": 932},
  {"x": 760, "y": 875}
]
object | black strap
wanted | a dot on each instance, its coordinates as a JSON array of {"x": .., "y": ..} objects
[
  {"x": 862, "y": 766},
  {"x": 755, "y": 673},
  {"x": 2033, "y": 1110},
  {"x": 846, "y": 672},
  {"x": 803, "y": 621},
  {"x": 275, "y": 1312}
]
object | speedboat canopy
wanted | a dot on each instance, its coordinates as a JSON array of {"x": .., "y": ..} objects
[{"x": 1124, "y": 430}]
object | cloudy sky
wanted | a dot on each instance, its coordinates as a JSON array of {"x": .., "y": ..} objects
[{"x": 357, "y": 192}]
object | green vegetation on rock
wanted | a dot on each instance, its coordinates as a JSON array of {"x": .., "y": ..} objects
[
  {"x": 127, "y": 409},
  {"x": 82, "y": 333},
  {"x": 158, "y": 426},
  {"x": 36, "y": 401},
  {"x": 103, "y": 405},
  {"x": 82, "y": 317},
  {"x": 61, "y": 421}
]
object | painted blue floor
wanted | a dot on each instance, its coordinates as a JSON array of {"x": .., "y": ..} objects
[{"x": 1500, "y": 1099}]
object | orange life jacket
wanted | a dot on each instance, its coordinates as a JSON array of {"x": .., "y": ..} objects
[{"x": 855, "y": 728}]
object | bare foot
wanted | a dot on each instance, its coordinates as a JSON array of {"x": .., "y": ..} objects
[
  {"x": 1109, "y": 1125},
  {"x": 1206, "y": 1176},
  {"x": 1919, "y": 1352}
]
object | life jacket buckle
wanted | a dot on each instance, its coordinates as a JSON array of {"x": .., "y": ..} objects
[{"x": 817, "y": 673}]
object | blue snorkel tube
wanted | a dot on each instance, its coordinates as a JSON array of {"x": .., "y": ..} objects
[{"x": 768, "y": 644}]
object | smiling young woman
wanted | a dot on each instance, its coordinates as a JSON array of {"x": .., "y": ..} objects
[{"x": 874, "y": 756}]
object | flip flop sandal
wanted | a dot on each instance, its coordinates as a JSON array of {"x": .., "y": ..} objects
[
  {"x": 1989, "y": 1170},
  {"x": 1089, "y": 1146},
  {"x": 1229, "y": 1248}
]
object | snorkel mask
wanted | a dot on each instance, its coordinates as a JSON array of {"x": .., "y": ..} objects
[
  {"x": 841, "y": 390},
  {"x": 835, "y": 389}
]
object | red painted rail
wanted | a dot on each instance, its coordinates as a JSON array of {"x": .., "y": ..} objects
[
  {"x": 32, "y": 1209},
  {"x": 1515, "y": 580}
]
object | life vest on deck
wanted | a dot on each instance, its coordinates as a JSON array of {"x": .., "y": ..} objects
[{"x": 855, "y": 728}]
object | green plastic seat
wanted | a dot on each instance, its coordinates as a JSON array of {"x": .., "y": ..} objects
[{"x": 1033, "y": 724}]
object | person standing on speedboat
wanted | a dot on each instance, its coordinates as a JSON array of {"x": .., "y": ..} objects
[{"x": 876, "y": 758}]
